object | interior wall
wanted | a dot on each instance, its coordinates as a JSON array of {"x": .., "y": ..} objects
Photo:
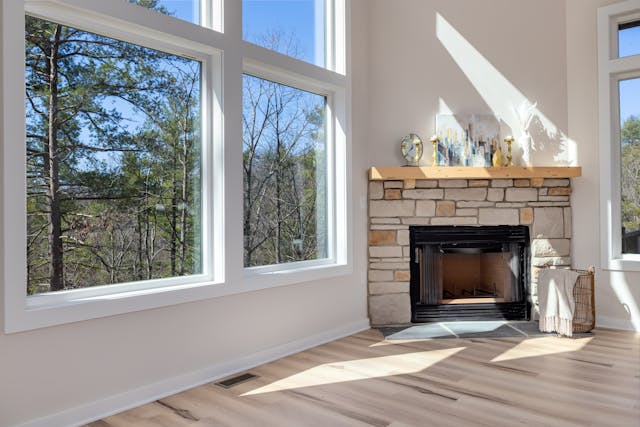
[
  {"x": 617, "y": 293},
  {"x": 52, "y": 370},
  {"x": 481, "y": 57}
]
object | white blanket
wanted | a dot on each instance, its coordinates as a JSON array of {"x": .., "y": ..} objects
[{"x": 555, "y": 296}]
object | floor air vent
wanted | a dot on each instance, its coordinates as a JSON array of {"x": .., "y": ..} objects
[{"x": 230, "y": 382}]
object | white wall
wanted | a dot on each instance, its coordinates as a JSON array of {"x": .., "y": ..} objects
[
  {"x": 514, "y": 50},
  {"x": 84, "y": 368},
  {"x": 617, "y": 293}
]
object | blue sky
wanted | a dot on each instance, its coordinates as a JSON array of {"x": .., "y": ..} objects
[
  {"x": 259, "y": 17},
  {"x": 629, "y": 44}
]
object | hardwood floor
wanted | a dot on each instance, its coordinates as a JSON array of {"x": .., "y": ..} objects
[{"x": 363, "y": 380}]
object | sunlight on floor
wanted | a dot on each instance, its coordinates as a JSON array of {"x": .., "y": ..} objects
[
  {"x": 536, "y": 347},
  {"x": 361, "y": 369}
]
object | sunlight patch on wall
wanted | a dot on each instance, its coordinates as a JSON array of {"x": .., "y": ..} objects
[
  {"x": 361, "y": 369},
  {"x": 537, "y": 347},
  {"x": 502, "y": 97}
]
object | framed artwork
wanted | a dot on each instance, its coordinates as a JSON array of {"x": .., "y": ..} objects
[{"x": 466, "y": 139}]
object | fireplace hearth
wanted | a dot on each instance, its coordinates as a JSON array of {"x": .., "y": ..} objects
[{"x": 469, "y": 273}]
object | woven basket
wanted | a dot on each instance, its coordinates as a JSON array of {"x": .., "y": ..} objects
[{"x": 584, "y": 318}]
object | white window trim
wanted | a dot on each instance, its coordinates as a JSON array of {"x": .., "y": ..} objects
[
  {"x": 611, "y": 70},
  {"x": 222, "y": 55}
]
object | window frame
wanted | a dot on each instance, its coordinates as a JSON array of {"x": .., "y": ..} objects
[
  {"x": 611, "y": 70},
  {"x": 223, "y": 55}
]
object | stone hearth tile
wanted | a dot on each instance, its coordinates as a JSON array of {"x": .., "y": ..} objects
[
  {"x": 478, "y": 183},
  {"x": 445, "y": 208},
  {"x": 392, "y": 194},
  {"x": 548, "y": 223},
  {"x": 537, "y": 182},
  {"x": 380, "y": 276},
  {"x": 483, "y": 329},
  {"x": 391, "y": 208},
  {"x": 417, "y": 332},
  {"x": 384, "y": 288},
  {"x": 502, "y": 183},
  {"x": 551, "y": 261},
  {"x": 385, "y": 251},
  {"x": 454, "y": 220},
  {"x": 425, "y": 208},
  {"x": 452, "y": 183},
  {"x": 376, "y": 190},
  {"x": 393, "y": 184},
  {"x": 521, "y": 195},
  {"x": 423, "y": 193},
  {"x": 521, "y": 183},
  {"x": 403, "y": 237},
  {"x": 568, "y": 223},
  {"x": 559, "y": 191},
  {"x": 526, "y": 216},
  {"x": 465, "y": 193},
  {"x": 495, "y": 216},
  {"x": 390, "y": 309},
  {"x": 550, "y": 247},
  {"x": 426, "y": 183},
  {"x": 382, "y": 237},
  {"x": 402, "y": 276},
  {"x": 385, "y": 220},
  {"x": 495, "y": 194},
  {"x": 555, "y": 182}
]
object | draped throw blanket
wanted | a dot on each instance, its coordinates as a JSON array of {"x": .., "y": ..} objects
[{"x": 555, "y": 296}]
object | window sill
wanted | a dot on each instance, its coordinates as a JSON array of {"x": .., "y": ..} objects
[
  {"x": 287, "y": 274},
  {"x": 628, "y": 263},
  {"x": 39, "y": 311}
]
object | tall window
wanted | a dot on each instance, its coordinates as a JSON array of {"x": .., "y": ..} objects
[
  {"x": 284, "y": 168},
  {"x": 113, "y": 160},
  {"x": 629, "y": 94},
  {"x": 619, "y": 71}
]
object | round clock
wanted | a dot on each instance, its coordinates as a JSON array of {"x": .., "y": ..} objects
[{"x": 411, "y": 146}]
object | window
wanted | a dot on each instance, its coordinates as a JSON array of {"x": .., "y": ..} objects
[
  {"x": 629, "y": 94},
  {"x": 113, "y": 160},
  {"x": 619, "y": 73},
  {"x": 284, "y": 174},
  {"x": 292, "y": 27},
  {"x": 188, "y": 10},
  {"x": 629, "y": 39},
  {"x": 122, "y": 176}
]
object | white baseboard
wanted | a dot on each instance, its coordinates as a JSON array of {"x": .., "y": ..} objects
[
  {"x": 616, "y": 323},
  {"x": 130, "y": 399}
]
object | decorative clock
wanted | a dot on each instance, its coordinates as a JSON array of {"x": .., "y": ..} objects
[{"x": 412, "y": 149}]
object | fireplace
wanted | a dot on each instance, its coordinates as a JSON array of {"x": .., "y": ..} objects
[
  {"x": 540, "y": 208},
  {"x": 469, "y": 273}
]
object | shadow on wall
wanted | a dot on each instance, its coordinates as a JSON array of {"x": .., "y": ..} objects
[{"x": 517, "y": 114}]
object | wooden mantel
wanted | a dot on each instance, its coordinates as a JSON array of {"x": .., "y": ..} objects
[{"x": 407, "y": 173}]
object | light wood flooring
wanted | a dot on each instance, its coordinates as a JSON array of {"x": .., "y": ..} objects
[{"x": 363, "y": 380}]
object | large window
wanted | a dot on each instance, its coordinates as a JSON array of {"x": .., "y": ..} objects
[
  {"x": 113, "y": 160},
  {"x": 284, "y": 168},
  {"x": 136, "y": 176},
  {"x": 619, "y": 70}
]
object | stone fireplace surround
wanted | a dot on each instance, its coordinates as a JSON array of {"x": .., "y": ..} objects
[{"x": 542, "y": 204}]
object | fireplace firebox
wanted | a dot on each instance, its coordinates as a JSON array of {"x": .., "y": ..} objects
[{"x": 469, "y": 273}]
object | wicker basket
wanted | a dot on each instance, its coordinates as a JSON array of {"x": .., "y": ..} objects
[{"x": 584, "y": 318}]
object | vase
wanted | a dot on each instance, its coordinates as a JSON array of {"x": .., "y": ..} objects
[{"x": 524, "y": 141}]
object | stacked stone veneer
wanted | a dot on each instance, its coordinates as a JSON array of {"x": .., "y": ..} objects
[{"x": 542, "y": 204}]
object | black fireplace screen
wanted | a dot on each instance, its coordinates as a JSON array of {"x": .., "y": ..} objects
[{"x": 465, "y": 272}]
